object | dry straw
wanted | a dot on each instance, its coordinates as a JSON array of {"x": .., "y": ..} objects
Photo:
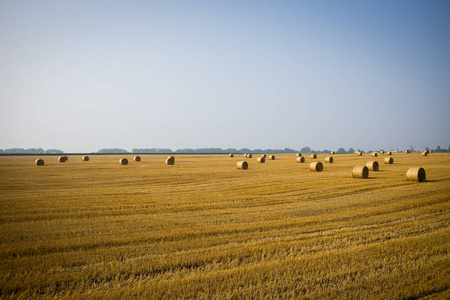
[
  {"x": 242, "y": 165},
  {"x": 329, "y": 159},
  {"x": 372, "y": 165},
  {"x": 360, "y": 172},
  {"x": 61, "y": 159},
  {"x": 231, "y": 155},
  {"x": 85, "y": 158},
  {"x": 124, "y": 161},
  {"x": 137, "y": 158},
  {"x": 316, "y": 166},
  {"x": 272, "y": 157},
  {"x": 261, "y": 159},
  {"x": 389, "y": 160},
  {"x": 374, "y": 154},
  {"x": 39, "y": 162},
  {"x": 416, "y": 174},
  {"x": 170, "y": 160},
  {"x": 313, "y": 156},
  {"x": 300, "y": 159}
]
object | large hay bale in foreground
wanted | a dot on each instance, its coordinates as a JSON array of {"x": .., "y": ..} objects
[
  {"x": 137, "y": 158},
  {"x": 360, "y": 172},
  {"x": 170, "y": 160},
  {"x": 329, "y": 159},
  {"x": 316, "y": 166},
  {"x": 123, "y": 161},
  {"x": 242, "y": 165},
  {"x": 372, "y": 165},
  {"x": 416, "y": 174},
  {"x": 313, "y": 156},
  {"x": 389, "y": 160},
  {"x": 85, "y": 158},
  {"x": 231, "y": 155},
  {"x": 300, "y": 159},
  {"x": 61, "y": 159},
  {"x": 261, "y": 159},
  {"x": 272, "y": 157},
  {"x": 374, "y": 154},
  {"x": 39, "y": 162}
]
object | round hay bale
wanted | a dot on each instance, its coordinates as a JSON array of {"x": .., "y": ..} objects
[
  {"x": 263, "y": 156},
  {"x": 242, "y": 165},
  {"x": 329, "y": 159},
  {"x": 389, "y": 160},
  {"x": 61, "y": 159},
  {"x": 372, "y": 165},
  {"x": 170, "y": 160},
  {"x": 389, "y": 153},
  {"x": 316, "y": 166},
  {"x": 358, "y": 153},
  {"x": 85, "y": 158},
  {"x": 39, "y": 162},
  {"x": 406, "y": 151},
  {"x": 66, "y": 158},
  {"x": 124, "y": 161},
  {"x": 299, "y": 154},
  {"x": 261, "y": 159},
  {"x": 313, "y": 156},
  {"x": 360, "y": 172},
  {"x": 272, "y": 157},
  {"x": 231, "y": 155},
  {"x": 374, "y": 154},
  {"x": 333, "y": 152},
  {"x": 416, "y": 174},
  {"x": 300, "y": 159},
  {"x": 137, "y": 158},
  {"x": 249, "y": 155},
  {"x": 382, "y": 152},
  {"x": 245, "y": 154},
  {"x": 425, "y": 153}
]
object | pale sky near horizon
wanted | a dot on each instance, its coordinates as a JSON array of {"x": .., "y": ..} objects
[{"x": 85, "y": 75}]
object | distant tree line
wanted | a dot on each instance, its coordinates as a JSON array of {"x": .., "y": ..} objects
[{"x": 30, "y": 151}]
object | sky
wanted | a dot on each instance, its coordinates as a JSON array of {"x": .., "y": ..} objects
[{"x": 86, "y": 75}]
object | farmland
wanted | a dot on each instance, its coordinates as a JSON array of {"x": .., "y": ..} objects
[{"x": 203, "y": 229}]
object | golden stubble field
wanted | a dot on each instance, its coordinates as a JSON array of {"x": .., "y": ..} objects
[{"x": 203, "y": 229}]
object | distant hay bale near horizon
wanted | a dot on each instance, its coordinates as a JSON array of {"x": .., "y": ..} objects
[
  {"x": 300, "y": 159},
  {"x": 123, "y": 161},
  {"x": 372, "y": 165},
  {"x": 329, "y": 159},
  {"x": 85, "y": 158},
  {"x": 242, "y": 165},
  {"x": 374, "y": 154},
  {"x": 61, "y": 159},
  {"x": 261, "y": 159},
  {"x": 137, "y": 158},
  {"x": 333, "y": 152},
  {"x": 231, "y": 155},
  {"x": 389, "y": 160},
  {"x": 313, "y": 156},
  {"x": 272, "y": 157},
  {"x": 389, "y": 153},
  {"x": 382, "y": 152},
  {"x": 249, "y": 155},
  {"x": 316, "y": 166},
  {"x": 263, "y": 155},
  {"x": 424, "y": 153},
  {"x": 359, "y": 153},
  {"x": 39, "y": 162},
  {"x": 360, "y": 172},
  {"x": 170, "y": 160},
  {"x": 299, "y": 154},
  {"x": 416, "y": 174}
]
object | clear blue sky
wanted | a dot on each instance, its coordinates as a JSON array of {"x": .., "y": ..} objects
[{"x": 85, "y": 75}]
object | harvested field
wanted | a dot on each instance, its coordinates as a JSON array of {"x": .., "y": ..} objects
[{"x": 203, "y": 229}]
